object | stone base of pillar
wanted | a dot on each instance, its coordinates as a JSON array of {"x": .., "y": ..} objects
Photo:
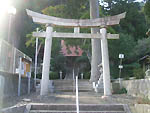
[{"x": 106, "y": 97}]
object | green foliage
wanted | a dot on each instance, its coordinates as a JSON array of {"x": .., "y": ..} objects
[
  {"x": 134, "y": 22},
  {"x": 138, "y": 73},
  {"x": 39, "y": 75},
  {"x": 147, "y": 9},
  {"x": 124, "y": 45},
  {"x": 54, "y": 75},
  {"x": 56, "y": 47},
  {"x": 71, "y": 9},
  {"x": 121, "y": 91},
  {"x": 82, "y": 59},
  {"x": 132, "y": 31},
  {"x": 56, "y": 11},
  {"x": 58, "y": 63},
  {"x": 142, "y": 48},
  {"x": 128, "y": 69},
  {"x": 75, "y": 8},
  {"x": 87, "y": 75}
]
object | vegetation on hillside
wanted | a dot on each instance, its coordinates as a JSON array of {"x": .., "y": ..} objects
[{"x": 133, "y": 41}]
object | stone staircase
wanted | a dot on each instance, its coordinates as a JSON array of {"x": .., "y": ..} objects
[
  {"x": 69, "y": 85},
  {"x": 84, "y": 108}
]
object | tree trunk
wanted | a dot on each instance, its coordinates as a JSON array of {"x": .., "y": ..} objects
[{"x": 96, "y": 43}]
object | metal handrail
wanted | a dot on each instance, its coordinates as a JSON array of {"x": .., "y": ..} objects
[{"x": 77, "y": 95}]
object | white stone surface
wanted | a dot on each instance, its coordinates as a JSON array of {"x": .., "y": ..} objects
[
  {"x": 46, "y": 63},
  {"x": 142, "y": 108},
  {"x": 139, "y": 88},
  {"x": 105, "y": 63},
  {"x": 96, "y": 22}
]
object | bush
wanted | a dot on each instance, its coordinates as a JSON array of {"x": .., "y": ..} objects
[
  {"x": 121, "y": 91},
  {"x": 126, "y": 78},
  {"x": 138, "y": 73},
  {"x": 39, "y": 75},
  {"x": 87, "y": 75},
  {"x": 54, "y": 75}
]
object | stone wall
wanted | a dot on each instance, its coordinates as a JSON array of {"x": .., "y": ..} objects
[
  {"x": 139, "y": 88},
  {"x": 9, "y": 86},
  {"x": 142, "y": 108}
]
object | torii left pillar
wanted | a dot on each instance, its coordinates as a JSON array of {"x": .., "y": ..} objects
[
  {"x": 46, "y": 61},
  {"x": 105, "y": 63}
]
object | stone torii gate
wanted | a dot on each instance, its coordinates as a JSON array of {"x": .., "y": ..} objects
[{"x": 51, "y": 22}]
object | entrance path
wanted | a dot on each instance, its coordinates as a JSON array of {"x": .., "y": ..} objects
[{"x": 69, "y": 98}]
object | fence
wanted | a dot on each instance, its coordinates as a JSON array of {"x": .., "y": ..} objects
[{"x": 10, "y": 57}]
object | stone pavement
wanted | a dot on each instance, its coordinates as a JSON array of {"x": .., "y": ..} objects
[{"x": 69, "y": 98}]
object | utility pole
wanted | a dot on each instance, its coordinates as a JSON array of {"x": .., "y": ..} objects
[{"x": 96, "y": 43}]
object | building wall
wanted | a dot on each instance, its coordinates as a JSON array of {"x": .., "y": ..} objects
[
  {"x": 9, "y": 86},
  {"x": 139, "y": 88}
]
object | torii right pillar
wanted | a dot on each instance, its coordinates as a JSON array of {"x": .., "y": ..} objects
[{"x": 105, "y": 63}]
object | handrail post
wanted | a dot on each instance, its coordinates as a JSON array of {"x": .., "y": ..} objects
[
  {"x": 77, "y": 95},
  {"x": 35, "y": 68},
  {"x": 74, "y": 81},
  {"x": 19, "y": 79}
]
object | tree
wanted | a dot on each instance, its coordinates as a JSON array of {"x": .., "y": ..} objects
[
  {"x": 142, "y": 48},
  {"x": 147, "y": 9},
  {"x": 134, "y": 23},
  {"x": 131, "y": 29},
  {"x": 22, "y": 25},
  {"x": 96, "y": 43},
  {"x": 76, "y": 10},
  {"x": 124, "y": 45}
]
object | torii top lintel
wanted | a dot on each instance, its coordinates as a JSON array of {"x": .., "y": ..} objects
[{"x": 54, "y": 21}]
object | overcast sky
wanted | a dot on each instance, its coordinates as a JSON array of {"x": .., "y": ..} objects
[{"x": 139, "y": 0}]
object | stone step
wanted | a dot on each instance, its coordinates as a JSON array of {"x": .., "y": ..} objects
[
  {"x": 69, "y": 88},
  {"x": 60, "y": 82},
  {"x": 69, "y": 85},
  {"x": 81, "y": 89},
  {"x": 83, "y": 107},
  {"x": 48, "y": 111}
]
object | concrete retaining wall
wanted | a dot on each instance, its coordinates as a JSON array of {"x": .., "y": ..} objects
[
  {"x": 139, "y": 88},
  {"x": 9, "y": 86},
  {"x": 142, "y": 108}
]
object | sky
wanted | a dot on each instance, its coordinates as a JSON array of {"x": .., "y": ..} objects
[{"x": 139, "y": 0}]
